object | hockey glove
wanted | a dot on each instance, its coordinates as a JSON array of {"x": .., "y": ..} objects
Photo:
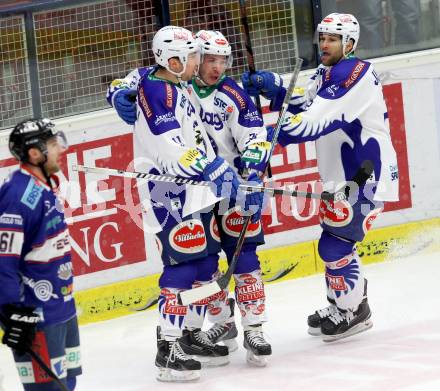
[
  {"x": 125, "y": 105},
  {"x": 254, "y": 200},
  {"x": 263, "y": 83},
  {"x": 256, "y": 156},
  {"x": 20, "y": 325},
  {"x": 224, "y": 178}
]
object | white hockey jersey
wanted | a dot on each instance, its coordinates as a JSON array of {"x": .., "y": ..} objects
[
  {"x": 169, "y": 138},
  {"x": 345, "y": 112}
]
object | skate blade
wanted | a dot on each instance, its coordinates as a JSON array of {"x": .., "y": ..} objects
[
  {"x": 359, "y": 328},
  {"x": 171, "y": 375},
  {"x": 231, "y": 344},
  {"x": 212, "y": 362},
  {"x": 314, "y": 331},
  {"x": 258, "y": 361}
]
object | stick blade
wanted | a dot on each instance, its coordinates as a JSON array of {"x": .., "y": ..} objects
[{"x": 192, "y": 295}]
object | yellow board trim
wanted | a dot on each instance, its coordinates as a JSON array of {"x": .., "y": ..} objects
[{"x": 278, "y": 264}]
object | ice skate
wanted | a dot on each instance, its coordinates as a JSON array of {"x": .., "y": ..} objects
[
  {"x": 257, "y": 347},
  {"x": 314, "y": 321},
  {"x": 225, "y": 333},
  {"x": 343, "y": 324},
  {"x": 196, "y": 344},
  {"x": 173, "y": 364}
]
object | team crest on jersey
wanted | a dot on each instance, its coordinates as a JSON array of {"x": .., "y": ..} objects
[
  {"x": 213, "y": 229},
  {"x": 232, "y": 222},
  {"x": 188, "y": 237},
  {"x": 338, "y": 213},
  {"x": 369, "y": 219}
]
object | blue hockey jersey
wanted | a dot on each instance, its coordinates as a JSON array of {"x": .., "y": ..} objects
[{"x": 35, "y": 261}]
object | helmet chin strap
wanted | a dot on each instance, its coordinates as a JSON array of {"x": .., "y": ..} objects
[{"x": 40, "y": 165}]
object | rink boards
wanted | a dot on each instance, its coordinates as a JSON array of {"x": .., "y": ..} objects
[{"x": 278, "y": 264}]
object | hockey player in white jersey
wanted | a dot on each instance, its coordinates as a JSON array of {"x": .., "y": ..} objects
[
  {"x": 237, "y": 134},
  {"x": 343, "y": 109},
  {"x": 169, "y": 138}
]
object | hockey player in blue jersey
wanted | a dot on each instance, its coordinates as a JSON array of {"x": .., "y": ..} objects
[
  {"x": 36, "y": 301},
  {"x": 344, "y": 111},
  {"x": 237, "y": 133}
]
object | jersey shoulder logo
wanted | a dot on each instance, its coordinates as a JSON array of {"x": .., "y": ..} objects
[{"x": 32, "y": 194}]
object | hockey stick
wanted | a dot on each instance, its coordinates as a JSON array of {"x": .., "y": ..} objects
[
  {"x": 192, "y": 295},
  {"x": 41, "y": 363},
  {"x": 250, "y": 58},
  {"x": 185, "y": 181},
  {"x": 199, "y": 293}
]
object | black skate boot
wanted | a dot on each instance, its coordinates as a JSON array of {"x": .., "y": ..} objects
[
  {"x": 196, "y": 344},
  {"x": 173, "y": 364},
  {"x": 343, "y": 324},
  {"x": 225, "y": 333},
  {"x": 314, "y": 321},
  {"x": 257, "y": 347}
]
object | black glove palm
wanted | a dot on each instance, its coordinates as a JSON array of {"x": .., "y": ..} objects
[{"x": 20, "y": 324}]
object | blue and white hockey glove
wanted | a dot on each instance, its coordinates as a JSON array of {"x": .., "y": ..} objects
[
  {"x": 125, "y": 105},
  {"x": 19, "y": 325},
  {"x": 224, "y": 178},
  {"x": 263, "y": 83},
  {"x": 254, "y": 200}
]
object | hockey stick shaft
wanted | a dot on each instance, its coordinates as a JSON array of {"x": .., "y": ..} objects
[
  {"x": 46, "y": 369},
  {"x": 196, "y": 294},
  {"x": 183, "y": 181},
  {"x": 40, "y": 362},
  {"x": 193, "y": 295},
  {"x": 251, "y": 59}
]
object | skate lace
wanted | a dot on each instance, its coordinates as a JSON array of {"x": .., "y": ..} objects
[
  {"x": 338, "y": 317},
  {"x": 327, "y": 311},
  {"x": 202, "y": 338},
  {"x": 176, "y": 352},
  {"x": 215, "y": 331},
  {"x": 256, "y": 338}
]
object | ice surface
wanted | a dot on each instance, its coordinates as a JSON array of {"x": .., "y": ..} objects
[{"x": 400, "y": 352}]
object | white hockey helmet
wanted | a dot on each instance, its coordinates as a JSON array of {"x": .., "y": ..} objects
[
  {"x": 345, "y": 25},
  {"x": 214, "y": 42},
  {"x": 173, "y": 41}
]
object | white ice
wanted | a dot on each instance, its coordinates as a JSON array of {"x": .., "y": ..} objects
[{"x": 400, "y": 352}]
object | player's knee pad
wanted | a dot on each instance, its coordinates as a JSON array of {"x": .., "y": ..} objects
[
  {"x": 248, "y": 260},
  {"x": 331, "y": 247},
  {"x": 345, "y": 279},
  {"x": 180, "y": 276}
]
